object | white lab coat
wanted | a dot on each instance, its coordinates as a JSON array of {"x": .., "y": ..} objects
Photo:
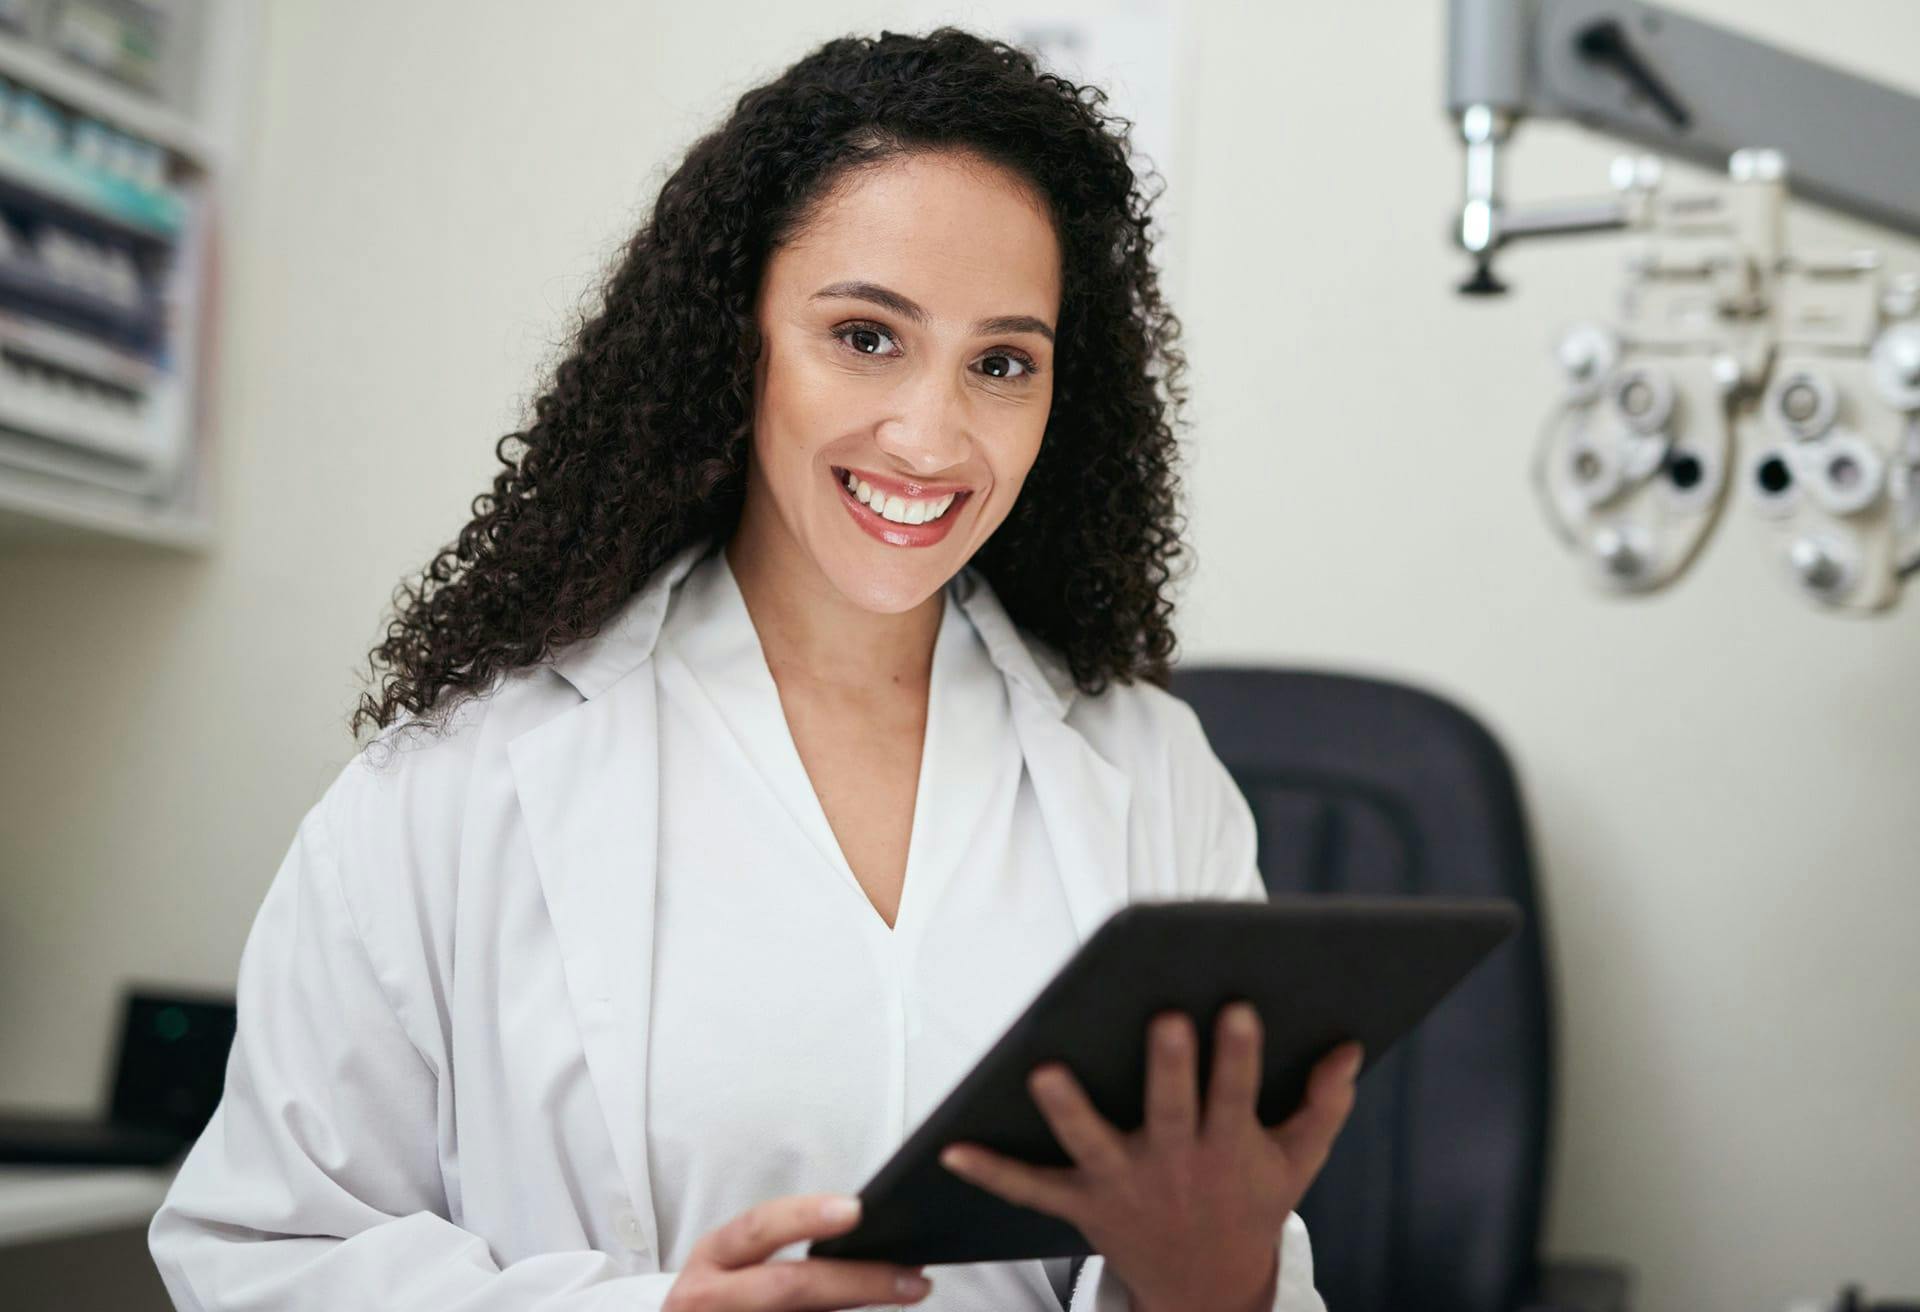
[{"x": 437, "y": 1093}]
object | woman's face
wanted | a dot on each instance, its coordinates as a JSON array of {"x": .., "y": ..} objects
[{"x": 908, "y": 347}]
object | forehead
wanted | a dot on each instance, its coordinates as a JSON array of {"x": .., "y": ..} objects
[{"x": 964, "y": 237}]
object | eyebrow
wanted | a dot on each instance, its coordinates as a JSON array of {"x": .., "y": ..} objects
[{"x": 887, "y": 298}]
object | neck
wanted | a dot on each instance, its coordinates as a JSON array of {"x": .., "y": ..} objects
[{"x": 810, "y": 630}]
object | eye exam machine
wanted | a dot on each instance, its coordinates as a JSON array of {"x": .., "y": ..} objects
[{"x": 1734, "y": 370}]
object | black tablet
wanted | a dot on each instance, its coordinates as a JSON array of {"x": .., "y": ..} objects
[{"x": 1319, "y": 969}]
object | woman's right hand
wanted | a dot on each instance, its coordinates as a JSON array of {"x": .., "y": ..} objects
[{"x": 728, "y": 1270}]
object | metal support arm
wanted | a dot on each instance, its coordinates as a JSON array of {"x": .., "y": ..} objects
[{"x": 1682, "y": 87}]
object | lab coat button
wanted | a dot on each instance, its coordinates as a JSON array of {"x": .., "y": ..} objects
[{"x": 627, "y": 1225}]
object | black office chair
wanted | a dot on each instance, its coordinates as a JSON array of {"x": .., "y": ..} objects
[{"x": 1431, "y": 1200}]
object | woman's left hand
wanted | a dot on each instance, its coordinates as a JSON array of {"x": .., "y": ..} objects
[{"x": 1187, "y": 1210}]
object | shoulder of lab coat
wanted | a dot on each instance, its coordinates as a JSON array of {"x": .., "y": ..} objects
[
  {"x": 324, "y": 1179},
  {"x": 320, "y": 1181},
  {"x": 404, "y": 811}
]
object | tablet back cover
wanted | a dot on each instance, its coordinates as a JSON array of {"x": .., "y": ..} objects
[{"x": 1320, "y": 969}]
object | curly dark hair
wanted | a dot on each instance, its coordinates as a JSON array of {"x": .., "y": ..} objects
[{"x": 639, "y": 445}]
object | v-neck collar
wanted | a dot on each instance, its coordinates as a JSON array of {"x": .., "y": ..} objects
[
  {"x": 970, "y": 755},
  {"x": 710, "y": 629}
]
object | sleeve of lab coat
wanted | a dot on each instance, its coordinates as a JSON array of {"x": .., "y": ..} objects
[
  {"x": 1218, "y": 850},
  {"x": 317, "y": 1183}
]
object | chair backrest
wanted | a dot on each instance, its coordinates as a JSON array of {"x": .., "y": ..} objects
[{"x": 1431, "y": 1199}]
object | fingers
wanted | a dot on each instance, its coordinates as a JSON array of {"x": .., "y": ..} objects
[
  {"x": 1173, "y": 1105},
  {"x": 1089, "y": 1138},
  {"x": 1043, "y": 1188},
  {"x": 1308, "y": 1134},
  {"x": 763, "y": 1230},
  {"x": 1233, "y": 1091},
  {"x": 728, "y": 1269},
  {"x": 813, "y": 1284}
]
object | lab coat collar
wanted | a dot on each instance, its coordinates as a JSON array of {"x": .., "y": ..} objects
[
  {"x": 595, "y": 664},
  {"x": 1035, "y": 667},
  {"x": 589, "y": 789},
  {"x": 1085, "y": 799},
  {"x": 627, "y": 639}
]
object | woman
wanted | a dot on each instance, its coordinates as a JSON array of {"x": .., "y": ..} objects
[{"x": 779, "y": 725}]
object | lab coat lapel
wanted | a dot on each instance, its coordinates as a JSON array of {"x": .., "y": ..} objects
[
  {"x": 588, "y": 783},
  {"x": 1084, "y": 799}
]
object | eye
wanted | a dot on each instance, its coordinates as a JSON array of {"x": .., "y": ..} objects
[
  {"x": 1029, "y": 369},
  {"x": 860, "y": 333},
  {"x": 855, "y": 334}
]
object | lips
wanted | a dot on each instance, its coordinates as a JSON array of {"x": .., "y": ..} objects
[{"x": 893, "y": 532}]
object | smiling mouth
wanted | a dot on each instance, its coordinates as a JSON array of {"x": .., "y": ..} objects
[
  {"x": 889, "y": 515},
  {"x": 896, "y": 508}
]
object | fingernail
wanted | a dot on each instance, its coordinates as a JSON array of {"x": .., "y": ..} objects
[
  {"x": 953, "y": 1159},
  {"x": 838, "y": 1210},
  {"x": 911, "y": 1286},
  {"x": 1355, "y": 1057}
]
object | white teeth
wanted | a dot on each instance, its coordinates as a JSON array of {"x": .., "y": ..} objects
[{"x": 899, "y": 509}]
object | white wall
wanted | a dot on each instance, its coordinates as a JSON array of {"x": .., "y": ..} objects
[{"x": 1721, "y": 782}]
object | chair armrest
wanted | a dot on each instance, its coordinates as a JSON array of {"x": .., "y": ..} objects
[{"x": 1575, "y": 1285}]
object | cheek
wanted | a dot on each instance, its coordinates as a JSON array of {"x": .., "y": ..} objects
[
  {"x": 791, "y": 415},
  {"x": 807, "y": 405},
  {"x": 1014, "y": 460}
]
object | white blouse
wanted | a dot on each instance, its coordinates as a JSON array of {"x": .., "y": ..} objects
[{"x": 797, "y": 1040}]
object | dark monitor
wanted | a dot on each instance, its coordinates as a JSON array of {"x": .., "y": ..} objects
[
  {"x": 168, "y": 1074},
  {"x": 172, "y": 1061}
]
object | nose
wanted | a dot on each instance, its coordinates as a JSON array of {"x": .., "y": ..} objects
[{"x": 929, "y": 435}]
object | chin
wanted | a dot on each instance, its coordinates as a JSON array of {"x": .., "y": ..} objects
[{"x": 888, "y": 586}]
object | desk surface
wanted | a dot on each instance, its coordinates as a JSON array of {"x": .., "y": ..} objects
[{"x": 49, "y": 1202}]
